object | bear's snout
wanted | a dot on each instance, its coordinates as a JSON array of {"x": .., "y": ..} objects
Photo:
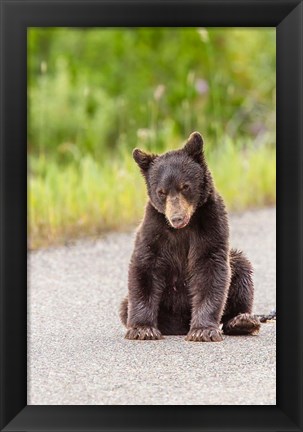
[
  {"x": 178, "y": 211},
  {"x": 179, "y": 221}
]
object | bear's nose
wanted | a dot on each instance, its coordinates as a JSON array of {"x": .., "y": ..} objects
[{"x": 177, "y": 220}]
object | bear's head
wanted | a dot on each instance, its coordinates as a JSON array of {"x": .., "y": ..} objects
[{"x": 177, "y": 181}]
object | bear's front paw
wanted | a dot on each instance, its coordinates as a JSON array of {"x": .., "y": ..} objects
[
  {"x": 143, "y": 333},
  {"x": 204, "y": 335}
]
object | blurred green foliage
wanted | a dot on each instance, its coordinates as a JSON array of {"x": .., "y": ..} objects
[
  {"x": 95, "y": 90},
  {"x": 95, "y": 94}
]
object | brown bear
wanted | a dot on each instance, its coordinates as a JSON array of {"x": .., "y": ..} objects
[{"x": 183, "y": 276}]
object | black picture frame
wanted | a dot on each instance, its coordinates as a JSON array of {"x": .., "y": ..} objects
[{"x": 16, "y": 16}]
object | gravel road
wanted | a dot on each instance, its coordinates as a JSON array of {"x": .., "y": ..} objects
[{"x": 77, "y": 353}]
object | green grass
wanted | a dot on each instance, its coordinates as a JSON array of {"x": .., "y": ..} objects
[
  {"x": 90, "y": 197},
  {"x": 87, "y": 112}
]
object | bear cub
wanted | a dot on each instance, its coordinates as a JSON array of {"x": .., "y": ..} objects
[{"x": 183, "y": 277}]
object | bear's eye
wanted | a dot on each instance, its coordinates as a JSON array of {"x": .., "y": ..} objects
[
  {"x": 161, "y": 193},
  {"x": 185, "y": 187}
]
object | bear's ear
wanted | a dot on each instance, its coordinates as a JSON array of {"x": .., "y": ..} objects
[
  {"x": 143, "y": 159},
  {"x": 194, "y": 147}
]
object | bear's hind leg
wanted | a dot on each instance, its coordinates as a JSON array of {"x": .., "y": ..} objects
[
  {"x": 123, "y": 312},
  {"x": 237, "y": 318},
  {"x": 242, "y": 324}
]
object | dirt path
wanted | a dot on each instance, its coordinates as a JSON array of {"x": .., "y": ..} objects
[{"x": 77, "y": 353}]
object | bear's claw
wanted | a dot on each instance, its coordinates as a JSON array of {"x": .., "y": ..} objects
[
  {"x": 204, "y": 335},
  {"x": 143, "y": 333}
]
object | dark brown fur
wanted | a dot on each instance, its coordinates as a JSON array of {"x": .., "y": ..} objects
[{"x": 183, "y": 277}]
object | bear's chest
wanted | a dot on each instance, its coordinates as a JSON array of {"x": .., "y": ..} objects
[
  {"x": 173, "y": 253},
  {"x": 173, "y": 261}
]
